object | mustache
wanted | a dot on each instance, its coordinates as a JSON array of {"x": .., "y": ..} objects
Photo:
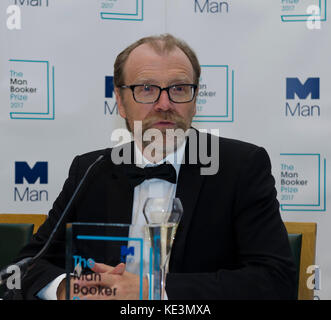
[{"x": 165, "y": 116}]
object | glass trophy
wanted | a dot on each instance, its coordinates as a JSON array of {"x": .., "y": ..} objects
[
  {"x": 88, "y": 244},
  {"x": 95, "y": 248},
  {"x": 162, "y": 218}
]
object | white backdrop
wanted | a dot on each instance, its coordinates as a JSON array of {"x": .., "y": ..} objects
[{"x": 265, "y": 73}]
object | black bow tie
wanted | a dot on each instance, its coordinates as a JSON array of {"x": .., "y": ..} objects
[{"x": 163, "y": 171}]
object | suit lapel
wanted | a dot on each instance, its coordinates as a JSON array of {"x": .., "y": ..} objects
[
  {"x": 188, "y": 187},
  {"x": 121, "y": 193},
  {"x": 119, "y": 206}
]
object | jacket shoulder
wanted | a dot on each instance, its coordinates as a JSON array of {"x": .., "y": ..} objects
[
  {"x": 81, "y": 162},
  {"x": 238, "y": 145}
]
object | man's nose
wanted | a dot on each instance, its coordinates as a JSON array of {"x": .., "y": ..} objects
[{"x": 163, "y": 104}]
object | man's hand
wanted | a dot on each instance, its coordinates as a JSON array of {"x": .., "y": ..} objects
[{"x": 107, "y": 283}]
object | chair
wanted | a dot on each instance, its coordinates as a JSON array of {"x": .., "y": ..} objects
[
  {"x": 16, "y": 231},
  {"x": 13, "y": 237},
  {"x": 307, "y": 253},
  {"x": 36, "y": 219}
]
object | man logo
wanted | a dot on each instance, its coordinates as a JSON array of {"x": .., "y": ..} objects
[
  {"x": 31, "y": 90},
  {"x": 294, "y": 86},
  {"x": 109, "y": 86},
  {"x": 23, "y": 170},
  {"x": 110, "y": 108},
  {"x": 125, "y": 251},
  {"x": 31, "y": 175},
  {"x": 302, "y": 91}
]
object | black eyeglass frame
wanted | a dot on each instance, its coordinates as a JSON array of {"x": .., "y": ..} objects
[{"x": 133, "y": 86}]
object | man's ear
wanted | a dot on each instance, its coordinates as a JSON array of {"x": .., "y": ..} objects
[{"x": 119, "y": 100}]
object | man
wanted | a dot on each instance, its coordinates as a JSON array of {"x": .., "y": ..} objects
[{"x": 231, "y": 242}]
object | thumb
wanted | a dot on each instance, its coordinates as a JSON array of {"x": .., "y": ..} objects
[{"x": 119, "y": 269}]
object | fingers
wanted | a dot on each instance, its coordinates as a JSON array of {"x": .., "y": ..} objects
[
  {"x": 102, "y": 268},
  {"x": 119, "y": 269},
  {"x": 106, "y": 282}
]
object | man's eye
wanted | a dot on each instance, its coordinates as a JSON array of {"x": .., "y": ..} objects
[
  {"x": 149, "y": 89},
  {"x": 179, "y": 89},
  {"x": 145, "y": 90}
]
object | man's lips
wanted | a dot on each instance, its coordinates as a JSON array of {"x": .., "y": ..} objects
[{"x": 164, "y": 123}]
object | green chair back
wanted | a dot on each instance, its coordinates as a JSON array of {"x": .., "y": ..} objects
[
  {"x": 13, "y": 237},
  {"x": 295, "y": 244}
]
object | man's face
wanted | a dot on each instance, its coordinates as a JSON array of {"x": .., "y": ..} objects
[{"x": 145, "y": 66}]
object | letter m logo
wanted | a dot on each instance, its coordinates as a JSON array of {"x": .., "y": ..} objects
[
  {"x": 109, "y": 87},
  {"x": 23, "y": 170},
  {"x": 125, "y": 251},
  {"x": 294, "y": 86}
]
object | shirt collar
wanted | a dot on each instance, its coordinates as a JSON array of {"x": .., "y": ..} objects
[{"x": 174, "y": 158}]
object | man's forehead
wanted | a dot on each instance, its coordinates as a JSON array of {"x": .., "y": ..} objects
[{"x": 145, "y": 57}]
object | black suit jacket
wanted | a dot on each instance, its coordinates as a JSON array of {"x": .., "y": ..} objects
[{"x": 231, "y": 242}]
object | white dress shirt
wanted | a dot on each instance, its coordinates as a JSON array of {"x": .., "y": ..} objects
[{"x": 156, "y": 188}]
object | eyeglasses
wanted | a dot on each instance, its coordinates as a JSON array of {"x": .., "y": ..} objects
[{"x": 178, "y": 93}]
